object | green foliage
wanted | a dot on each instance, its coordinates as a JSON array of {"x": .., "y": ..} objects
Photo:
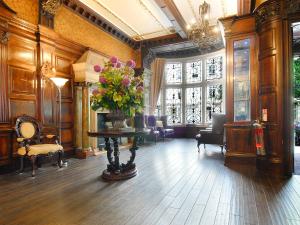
[{"x": 297, "y": 77}]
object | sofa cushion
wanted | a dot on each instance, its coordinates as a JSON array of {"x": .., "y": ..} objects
[
  {"x": 40, "y": 149},
  {"x": 159, "y": 124}
]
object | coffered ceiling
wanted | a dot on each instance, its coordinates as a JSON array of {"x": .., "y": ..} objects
[{"x": 147, "y": 19}]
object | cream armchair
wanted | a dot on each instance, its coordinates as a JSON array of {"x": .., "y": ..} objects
[{"x": 29, "y": 137}]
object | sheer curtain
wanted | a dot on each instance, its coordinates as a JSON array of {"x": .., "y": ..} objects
[{"x": 157, "y": 69}]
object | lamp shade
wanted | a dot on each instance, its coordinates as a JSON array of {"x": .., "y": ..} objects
[{"x": 59, "y": 81}]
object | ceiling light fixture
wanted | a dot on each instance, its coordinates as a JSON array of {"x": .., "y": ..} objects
[{"x": 203, "y": 34}]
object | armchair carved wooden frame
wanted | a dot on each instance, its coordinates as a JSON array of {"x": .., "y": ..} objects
[{"x": 29, "y": 137}]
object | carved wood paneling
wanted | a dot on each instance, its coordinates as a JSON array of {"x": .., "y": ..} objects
[
  {"x": 19, "y": 107},
  {"x": 271, "y": 73},
  {"x": 4, "y": 112},
  {"x": 267, "y": 40},
  {"x": 268, "y": 67},
  {"x": 22, "y": 81},
  {"x": 49, "y": 105}
]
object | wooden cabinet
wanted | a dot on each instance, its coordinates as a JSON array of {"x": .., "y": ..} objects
[{"x": 241, "y": 91}]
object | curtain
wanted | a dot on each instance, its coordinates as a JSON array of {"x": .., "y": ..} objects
[{"x": 157, "y": 70}]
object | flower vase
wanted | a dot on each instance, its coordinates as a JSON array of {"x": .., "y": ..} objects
[{"x": 118, "y": 119}]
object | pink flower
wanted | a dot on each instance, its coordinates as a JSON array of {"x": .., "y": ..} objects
[
  {"x": 114, "y": 64},
  {"x": 131, "y": 64},
  {"x": 95, "y": 92},
  {"x": 140, "y": 89},
  {"x": 97, "y": 68},
  {"x": 114, "y": 59},
  {"x": 102, "y": 80},
  {"x": 118, "y": 65},
  {"x": 126, "y": 81}
]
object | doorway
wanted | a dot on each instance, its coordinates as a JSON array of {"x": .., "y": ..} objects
[{"x": 296, "y": 103}]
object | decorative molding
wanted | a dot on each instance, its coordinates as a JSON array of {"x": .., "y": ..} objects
[
  {"x": 267, "y": 11},
  {"x": 83, "y": 11},
  {"x": 293, "y": 6},
  {"x": 117, "y": 17},
  {"x": 51, "y": 6},
  {"x": 47, "y": 70},
  {"x": 148, "y": 59},
  {"x": 4, "y": 37}
]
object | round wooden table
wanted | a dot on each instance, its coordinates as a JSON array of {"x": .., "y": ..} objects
[{"x": 116, "y": 170}]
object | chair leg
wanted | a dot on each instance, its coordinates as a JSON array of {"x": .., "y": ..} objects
[
  {"x": 59, "y": 160},
  {"x": 198, "y": 145},
  {"x": 33, "y": 164},
  {"x": 204, "y": 146},
  {"x": 222, "y": 149},
  {"x": 21, "y": 164}
]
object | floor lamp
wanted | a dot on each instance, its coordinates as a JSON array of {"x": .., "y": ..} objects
[{"x": 59, "y": 83}]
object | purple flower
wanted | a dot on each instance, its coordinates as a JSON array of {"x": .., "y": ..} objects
[
  {"x": 114, "y": 59},
  {"x": 95, "y": 92},
  {"x": 131, "y": 64},
  {"x": 126, "y": 81},
  {"x": 118, "y": 65},
  {"x": 140, "y": 89},
  {"x": 98, "y": 68},
  {"x": 102, "y": 80},
  {"x": 114, "y": 64}
]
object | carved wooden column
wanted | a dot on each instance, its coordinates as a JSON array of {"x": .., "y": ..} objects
[
  {"x": 85, "y": 117},
  {"x": 269, "y": 25},
  {"x": 82, "y": 119},
  {"x": 85, "y": 75}
]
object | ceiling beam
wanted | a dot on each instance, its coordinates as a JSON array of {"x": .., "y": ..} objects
[{"x": 173, "y": 14}]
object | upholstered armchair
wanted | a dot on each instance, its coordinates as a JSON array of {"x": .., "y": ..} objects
[
  {"x": 162, "y": 127},
  {"x": 154, "y": 133},
  {"x": 213, "y": 135},
  {"x": 29, "y": 137}
]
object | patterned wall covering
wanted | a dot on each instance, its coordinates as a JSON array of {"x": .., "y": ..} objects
[
  {"x": 74, "y": 28},
  {"x": 26, "y": 10}
]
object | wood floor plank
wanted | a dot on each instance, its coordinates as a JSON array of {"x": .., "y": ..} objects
[{"x": 175, "y": 185}]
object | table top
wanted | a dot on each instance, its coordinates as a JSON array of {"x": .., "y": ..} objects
[{"x": 119, "y": 133}]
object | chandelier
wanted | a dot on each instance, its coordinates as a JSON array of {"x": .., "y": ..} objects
[{"x": 203, "y": 34}]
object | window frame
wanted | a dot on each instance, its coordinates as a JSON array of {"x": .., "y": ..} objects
[{"x": 203, "y": 84}]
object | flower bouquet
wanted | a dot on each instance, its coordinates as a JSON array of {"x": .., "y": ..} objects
[{"x": 118, "y": 90}]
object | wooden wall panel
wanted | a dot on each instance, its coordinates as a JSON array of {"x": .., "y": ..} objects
[
  {"x": 22, "y": 81},
  {"x": 49, "y": 104},
  {"x": 271, "y": 75},
  {"x": 267, "y": 40},
  {"x": 19, "y": 107},
  {"x": 5, "y": 146},
  {"x": 4, "y": 109},
  {"x": 267, "y": 68}
]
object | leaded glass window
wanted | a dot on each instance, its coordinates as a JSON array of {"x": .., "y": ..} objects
[
  {"x": 214, "y": 100},
  {"x": 194, "y": 72},
  {"x": 214, "y": 68},
  {"x": 193, "y": 105},
  {"x": 192, "y": 90},
  {"x": 173, "y": 73},
  {"x": 173, "y": 105}
]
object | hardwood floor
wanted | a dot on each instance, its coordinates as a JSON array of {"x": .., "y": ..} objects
[{"x": 175, "y": 186}]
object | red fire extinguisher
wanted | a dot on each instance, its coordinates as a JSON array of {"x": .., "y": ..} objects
[{"x": 259, "y": 138}]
